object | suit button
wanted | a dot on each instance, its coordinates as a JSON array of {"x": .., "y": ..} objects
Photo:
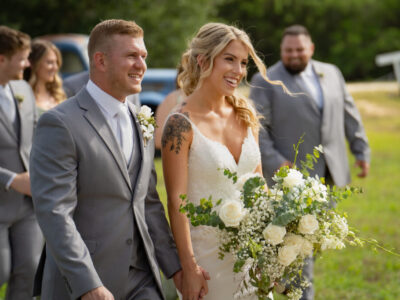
[{"x": 129, "y": 241}]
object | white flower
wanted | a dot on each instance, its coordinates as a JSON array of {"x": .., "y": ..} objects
[
  {"x": 332, "y": 243},
  {"x": 341, "y": 224},
  {"x": 145, "y": 112},
  {"x": 319, "y": 148},
  {"x": 287, "y": 254},
  {"x": 147, "y": 122},
  {"x": 308, "y": 224},
  {"x": 242, "y": 179},
  {"x": 231, "y": 213},
  {"x": 317, "y": 191},
  {"x": 276, "y": 193},
  {"x": 305, "y": 247},
  {"x": 274, "y": 234},
  {"x": 293, "y": 178}
]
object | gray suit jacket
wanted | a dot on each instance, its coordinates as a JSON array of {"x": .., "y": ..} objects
[
  {"x": 73, "y": 84},
  {"x": 87, "y": 206},
  {"x": 15, "y": 143},
  {"x": 288, "y": 117}
]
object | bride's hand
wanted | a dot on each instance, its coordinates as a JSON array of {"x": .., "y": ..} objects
[{"x": 194, "y": 285}]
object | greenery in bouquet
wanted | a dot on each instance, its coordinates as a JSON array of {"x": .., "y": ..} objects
[{"x": 270, "y": 232}]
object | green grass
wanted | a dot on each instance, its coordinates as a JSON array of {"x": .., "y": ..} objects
[{"x": 359, "y": 273}]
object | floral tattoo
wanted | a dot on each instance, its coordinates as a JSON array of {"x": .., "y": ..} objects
[{"x": 173, "y": 132}]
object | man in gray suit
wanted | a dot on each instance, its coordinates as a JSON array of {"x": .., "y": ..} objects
[
  {"x": 94, "y": 183},
  {"x": 20, "y": 238},
  {"x": 320, "y": 107},
  {"x": 73, "y": 84}
]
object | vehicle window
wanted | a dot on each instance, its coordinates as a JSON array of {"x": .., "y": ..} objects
[
  {"x": 152, "y": 86},
  {"x": 71, "y": 62}
]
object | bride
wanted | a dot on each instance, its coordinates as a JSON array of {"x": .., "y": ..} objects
[{"x": 213, "y": 129}]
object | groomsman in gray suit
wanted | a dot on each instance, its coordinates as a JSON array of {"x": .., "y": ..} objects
[
  {"x": 20, "y": 238},
  {"x": 94, "y": 183},
  {"x": 320, "y": 107}
]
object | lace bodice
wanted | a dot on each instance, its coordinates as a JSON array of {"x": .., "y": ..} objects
[{"x": 208, "y": 159}]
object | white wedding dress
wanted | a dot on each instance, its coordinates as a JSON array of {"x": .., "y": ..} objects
[{"x": 207, "y": 160}]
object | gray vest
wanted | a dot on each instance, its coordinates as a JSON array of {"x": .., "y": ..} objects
[{"x": 138, "y": 258}]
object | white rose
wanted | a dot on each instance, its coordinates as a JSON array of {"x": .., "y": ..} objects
[
  {"x": 231, "y": 213},
  {"x": 274, "y": 234},
  {"x": 287, "y": 254},
  {"x": 306, "y": 248},
  {"x": 146, "y": 112},
  {"x": 308, "y": 224},
  {"x": 293, "y": 178}
]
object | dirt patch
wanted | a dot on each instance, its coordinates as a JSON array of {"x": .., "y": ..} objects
[
  {"x": 375, "y": 110},
  {"x": 356, "y": 87}
]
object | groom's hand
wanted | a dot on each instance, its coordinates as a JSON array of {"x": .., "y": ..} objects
[
  {"x": 22, "y": 184},
  {"x": 100, "y": 293},
  {"x": 178, "y": 280}
]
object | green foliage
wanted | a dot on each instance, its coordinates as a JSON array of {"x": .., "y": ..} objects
[
  {"x": 201, "y": 214},
  {"x": 348, "y": 33},
  {"x": 168, "y": 24}
]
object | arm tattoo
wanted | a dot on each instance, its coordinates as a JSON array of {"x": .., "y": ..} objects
[{"x": 173, "y": 132}]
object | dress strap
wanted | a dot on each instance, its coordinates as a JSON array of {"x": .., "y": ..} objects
[{"x": 186, "y": 117}]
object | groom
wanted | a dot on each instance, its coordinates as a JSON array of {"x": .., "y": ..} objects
[{"x": 94, "y": 183}]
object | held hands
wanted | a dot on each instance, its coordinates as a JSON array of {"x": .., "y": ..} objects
[
  {"x": 194, "y": 283},
  {"x": 22, "y": 184},
  {"x": 364, "y": 168},
  {"x": 100, "y": 293}
]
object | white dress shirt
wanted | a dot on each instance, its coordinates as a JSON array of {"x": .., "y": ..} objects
[
  {"x": 312, "y": 84},
  {"x": 111, "y": 109}
]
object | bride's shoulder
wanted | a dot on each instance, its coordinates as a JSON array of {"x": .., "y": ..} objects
[{"x": 177, "y": 131}]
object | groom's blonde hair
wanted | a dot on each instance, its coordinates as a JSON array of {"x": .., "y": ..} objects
[
  {"x": 209, "y": 41},
  {"x": 100, "y": 37}
]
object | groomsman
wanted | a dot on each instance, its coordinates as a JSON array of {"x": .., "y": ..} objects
[
  {"x": 20, "y": 238},
  {"x": 94, "y": 183},
  {"x": 321, "y": 108}
]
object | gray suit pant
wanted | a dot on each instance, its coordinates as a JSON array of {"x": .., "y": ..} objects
[
  {"x": 21, "y": 243},
  {"x": 142, "y": 285}
]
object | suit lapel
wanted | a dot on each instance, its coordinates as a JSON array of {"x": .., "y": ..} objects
[
  {"x": 136, "y": 126},
  {"x": 96, "y": 118},
  {"x": 323, "y": 82},
  {"x": 6, "y": 121},
  {"x": 298, "y": 87}
]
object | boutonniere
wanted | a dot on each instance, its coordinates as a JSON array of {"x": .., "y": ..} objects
[
  {"x": 147, "y": 123},
  {"x": 20, "y": 99},
  {"x": 320, "y": 75}
]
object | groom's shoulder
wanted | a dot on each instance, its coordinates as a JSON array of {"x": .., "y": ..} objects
[{"x": 65, "y": 112}]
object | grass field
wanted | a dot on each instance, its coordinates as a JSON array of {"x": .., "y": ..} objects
[{"x": 359, "y": 273}]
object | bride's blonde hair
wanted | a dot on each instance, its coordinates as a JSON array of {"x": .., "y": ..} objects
[{"x": 210, "y": 40}]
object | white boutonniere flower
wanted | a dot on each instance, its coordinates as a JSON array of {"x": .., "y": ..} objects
[{"x": 147, "y": 123}]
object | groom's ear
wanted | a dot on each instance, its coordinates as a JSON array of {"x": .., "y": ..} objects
[{"x": 99, "y": 61}]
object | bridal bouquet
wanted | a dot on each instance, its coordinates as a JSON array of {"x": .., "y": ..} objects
[{"x": 271, "y": 232}]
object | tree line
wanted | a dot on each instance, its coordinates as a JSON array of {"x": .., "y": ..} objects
[{"x": 348, "y": 33}]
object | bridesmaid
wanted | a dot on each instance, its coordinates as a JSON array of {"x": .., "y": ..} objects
[{"x": 45, "y": 60}]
